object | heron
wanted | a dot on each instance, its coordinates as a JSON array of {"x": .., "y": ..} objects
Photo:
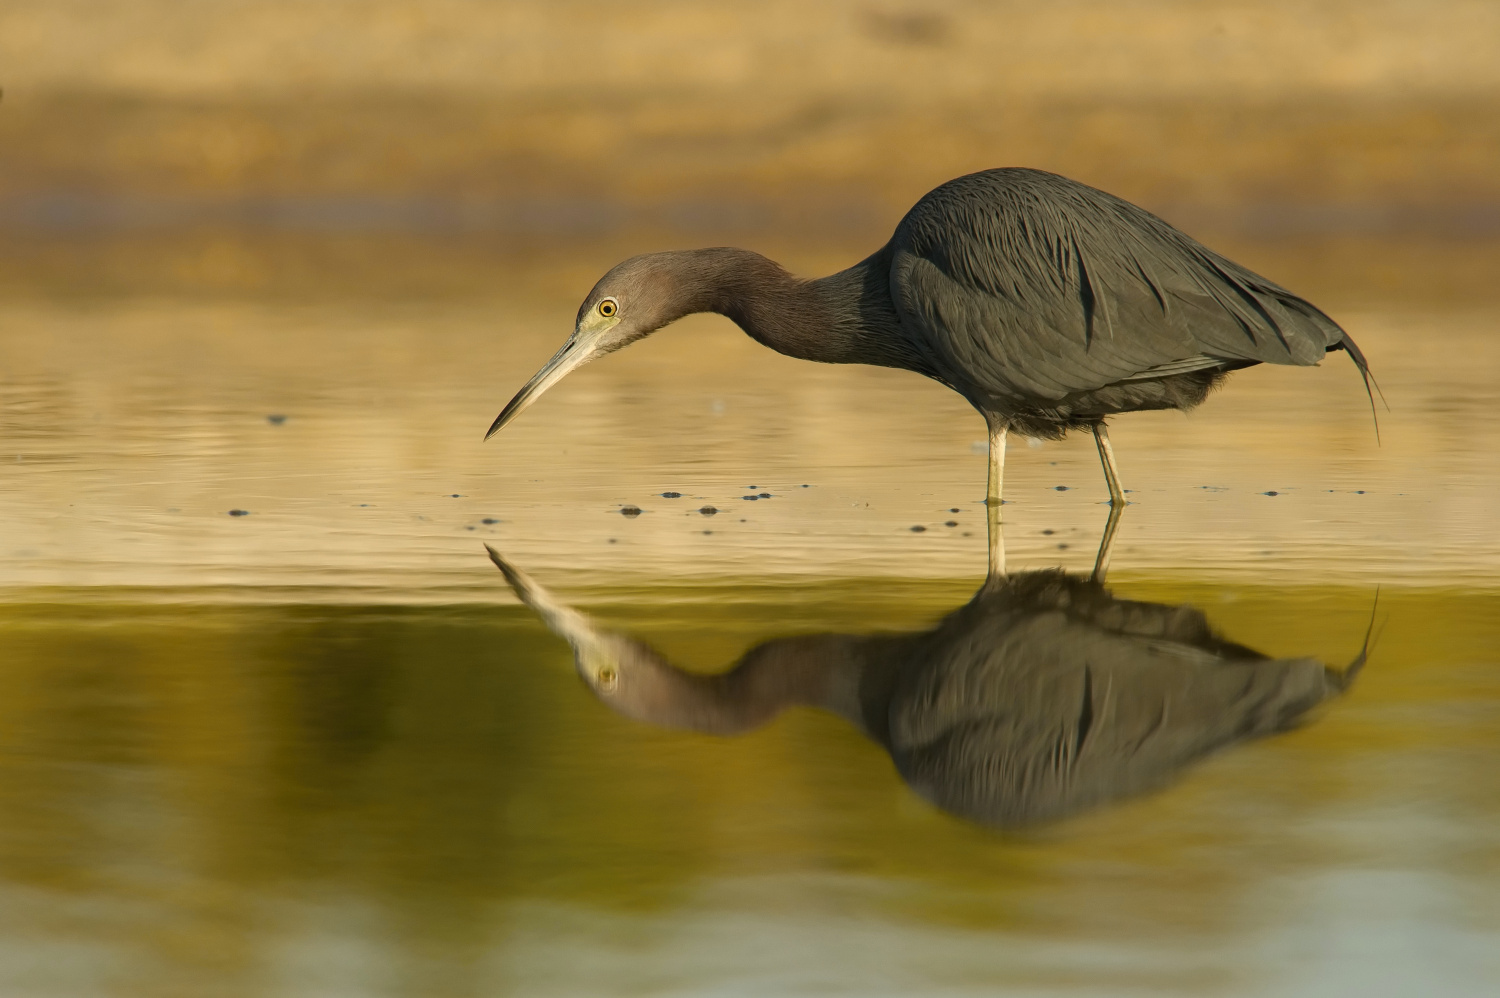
[
  {"x": 1048, "y": 304},
  {"x": 1044, "y": 697}
]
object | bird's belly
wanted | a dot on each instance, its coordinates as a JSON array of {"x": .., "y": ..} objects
[{"x": 1052, "y": 418}]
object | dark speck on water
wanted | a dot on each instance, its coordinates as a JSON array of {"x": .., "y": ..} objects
[
  {"x": 239, "y": 512},
  {"x": 1062, "y": 547},
  {"x": 807, "y": 486},
  {"x": 611, "y": 540},
  {"x": 1271, "y": 493},
  {"x": 455, "y": 495},
  {"x": 708, "y": 510},
  {"x": 953, "y": 510},
  {"x": 951, "y": 523},
  {"x": 631, "y": 511},
  {"x": 469, "y": 527},
  {"x": 1359, "y": 492},
  {"x": 1060, "y": 488},
  {"x": 765, "y": 495},
  {"x": 1049, "y": 531},
  {"x": 751, "y": 498},
  {"x": 707, "y": 532},
  {"x": 276, "y": 420},
  {"x": 918, "y": 529},
  {"x": 671, "y": 495},
  {"x": 489, "y": 519}
]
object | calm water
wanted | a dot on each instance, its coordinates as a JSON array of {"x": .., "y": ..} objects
[{"x": 321, "y": 750}]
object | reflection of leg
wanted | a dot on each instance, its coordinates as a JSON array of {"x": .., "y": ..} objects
[
  {"x": 1107, "y": 458},
  {"x": 997, "y": 465},
  {"x": 1101, "y": 561},
  {"x": 997, "y": 542}
]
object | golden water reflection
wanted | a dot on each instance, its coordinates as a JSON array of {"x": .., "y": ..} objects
[
  {"x": 318, "y": 750},
  {"x": 314, "y": 800},
  {"x": 130, "y": 430}
]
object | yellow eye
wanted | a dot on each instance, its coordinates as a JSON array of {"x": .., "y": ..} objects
[
  {"x": 608, "y": 677},
  {"x": 607, "y": 307}
]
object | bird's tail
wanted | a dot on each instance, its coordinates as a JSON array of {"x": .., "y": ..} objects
[
  {"x": 1372, "y": 387},
  {"x": 1345, "y": 679}
]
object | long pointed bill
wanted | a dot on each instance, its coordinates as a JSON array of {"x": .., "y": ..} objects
[
  {"x": 573, "y": 354},
  {"x": 567, "y": 623}
]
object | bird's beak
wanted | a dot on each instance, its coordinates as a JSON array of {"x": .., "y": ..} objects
[
  {"x": 567, "y": 623},
  {"x": 573, "y": 354}
]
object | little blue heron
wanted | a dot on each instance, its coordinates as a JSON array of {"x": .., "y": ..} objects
[
  {"x": 1046, "y": 303},
  {"x": 1043, "y": 697}
]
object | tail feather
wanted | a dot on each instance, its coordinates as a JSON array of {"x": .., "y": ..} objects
[
  {"x": 1372, "y": 387},
  {"x": 1343, "y": 680}
]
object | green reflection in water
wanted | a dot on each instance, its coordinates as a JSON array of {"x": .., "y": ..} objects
[{"x": 186, "y": 788}]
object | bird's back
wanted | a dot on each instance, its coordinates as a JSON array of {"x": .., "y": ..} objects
[{"x": 1025, "y": 289}]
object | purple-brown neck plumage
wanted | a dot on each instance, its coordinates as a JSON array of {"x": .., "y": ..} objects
[
  {"x": 846, "y": 318},
  {"x": 821, "y": 670}
]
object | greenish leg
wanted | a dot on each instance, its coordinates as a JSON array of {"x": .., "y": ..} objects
[
  {"x": 997, "y": 465},
  {"x": 1107, "y": 458},
  {"x": 992, "y": 502},
  {"x": 997, "y": 542}
]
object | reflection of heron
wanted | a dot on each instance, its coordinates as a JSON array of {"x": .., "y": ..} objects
[
  {"x": 1047, "y": 304},
  {"x": 1043, "y": 697}
]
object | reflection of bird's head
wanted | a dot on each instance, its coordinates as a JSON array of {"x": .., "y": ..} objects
[
  {"x": 638, "y": 297},
  {"x": 626, "y": 674}
]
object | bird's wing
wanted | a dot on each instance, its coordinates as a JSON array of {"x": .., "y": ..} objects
[
  {"x": 1053, "y": 716},
  {"x": 1032, "y": 286}
]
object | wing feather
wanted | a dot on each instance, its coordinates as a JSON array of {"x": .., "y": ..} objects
[{"x": 1027, "y": 286}]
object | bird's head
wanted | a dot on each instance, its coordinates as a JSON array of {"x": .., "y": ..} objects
[
  {"x": 628, "y": 675},
  {"x": 633, "y": 300}
]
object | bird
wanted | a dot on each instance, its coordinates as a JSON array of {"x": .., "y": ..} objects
[
  {"x": 1044, "y": 697},
  {"x": 1048, "y": 304}
]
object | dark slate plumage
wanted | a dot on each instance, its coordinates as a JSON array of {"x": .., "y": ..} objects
[
  {"x": 1047, "y": 696},
  {"x": 1048, "y": 304},
  {"x": 1035, "y": 295},
  {"x": 1043, "y": 697}
]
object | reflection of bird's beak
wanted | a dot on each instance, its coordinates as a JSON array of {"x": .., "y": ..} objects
[
  {"x": 573, "y": 354},
  {"x": 567, "y": 623}
]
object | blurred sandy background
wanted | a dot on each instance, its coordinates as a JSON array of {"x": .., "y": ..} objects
[{"x": 400, "y": 147}]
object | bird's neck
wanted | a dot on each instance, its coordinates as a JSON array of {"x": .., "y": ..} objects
[
  {"x": 846, "y": 318},
  {"x": 813, "y": 671}
]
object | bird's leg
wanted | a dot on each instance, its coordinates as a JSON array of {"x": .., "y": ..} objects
[
  {"x": 992, "y": 502},
  {"x": 997, "y": 465},
  {"x": 997, "y": 542},
  {"x": 1101, "y": 560},
  {"x": 1107, "y": 458}
]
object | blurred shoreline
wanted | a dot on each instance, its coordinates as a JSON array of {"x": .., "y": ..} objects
[
  {"x": 413, "y": 195},
  {"x": 386, "y": 147}
]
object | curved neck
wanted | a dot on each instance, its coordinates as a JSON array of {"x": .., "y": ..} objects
[
  {"x": 821, "y": 670},
  {"x": 846, "y": 318}
]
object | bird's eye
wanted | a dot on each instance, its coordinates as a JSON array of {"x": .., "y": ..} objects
[
  {"x": 608, "y": 307},
  {"x": 608, "y": 678}
]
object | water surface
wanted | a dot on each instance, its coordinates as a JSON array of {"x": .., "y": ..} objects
[{"x": 319, "y": 749}]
